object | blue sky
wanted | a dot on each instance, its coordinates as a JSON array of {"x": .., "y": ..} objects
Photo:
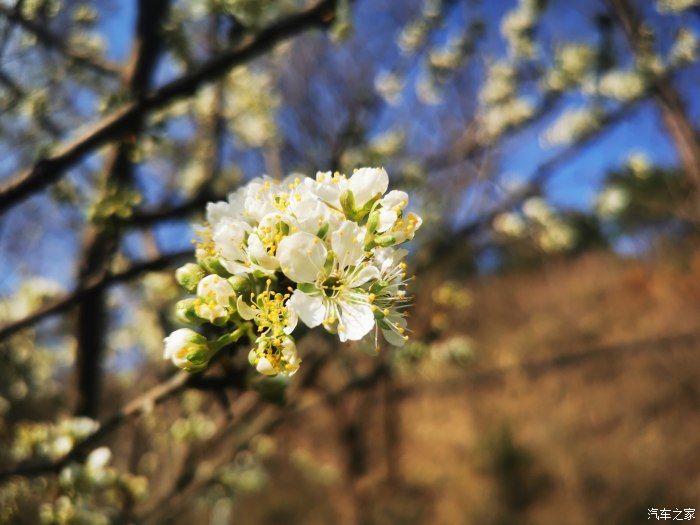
[{"x": 574, "y": 185}]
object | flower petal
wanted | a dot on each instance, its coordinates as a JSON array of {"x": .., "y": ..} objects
[
  {"x": 356, "y": 320},
  {"x": 395, "y": 199},
  {"x": 347, "y": 243},
  {"x": 365, "y": 274},
  {"x": 367, "y": 183},
  {"x": 301, "y": 256},
  {"x": 387, "y": 218},
  {"x": 292, "y": 320},
  {"x": 244, "y": 310},
  {"x": 309, "y": 308},
  {"x": 259, "y": 255}
]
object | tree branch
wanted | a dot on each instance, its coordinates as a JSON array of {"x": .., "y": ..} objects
[
  {"x": 109, "y": 279},
  {"x": 50, "y": 169},
  {"x": 102, "y": 240},
  {"x": 665, "y": 94},
  {"x": 52, "y": 41}
]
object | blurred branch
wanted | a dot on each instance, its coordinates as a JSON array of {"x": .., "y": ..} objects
[
  {"x": 102, "y": 282},
  {"x": 102, "y": 238},
  {"x": 141, "y": 404},
  {"x": 534, "y": 368},
  {"x": 56, "y": 42},
  {"x": 20, "y": 93},
  {"x": 667, "y": 97},
  {"x": 122, "y": 121},
  {"x": 266, "y": 420},
  {"x": 443, "y": 249}
]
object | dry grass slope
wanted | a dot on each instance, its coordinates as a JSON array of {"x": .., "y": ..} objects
[{"x": 581, "y": 406}]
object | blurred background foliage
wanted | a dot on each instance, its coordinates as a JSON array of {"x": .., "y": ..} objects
[{"x": 552, "y": 150}]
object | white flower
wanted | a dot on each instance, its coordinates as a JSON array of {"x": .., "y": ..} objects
[
  {"x": 215, "y": 298},
  {"x": 401, "y": 231},
  {"x": 572, "y": 125},
  {"x": 392, "y": 205},
  {"x": 269, "y": 312},
  {"x": 329, "y": 187},
  {"x": 685, "y": 48},
  {"x": 302, "y": 256},
  {"x": 612, "y": 201},
  {"x": 275, "y": 355},
  {"x": 388, "y": 294},
  {"x": 368, "y": 183},
  {"x": 510, "y": 224},
  {"x": 187, "y": 349},
  {"x": 98, "y": 458},
  {"x": 675, "y": 6},
  {"x": 640, "y": 164},
  {"x": 331, "y": 291}
]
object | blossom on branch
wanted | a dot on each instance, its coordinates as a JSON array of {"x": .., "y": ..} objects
[{"x": 322, "y": 250}]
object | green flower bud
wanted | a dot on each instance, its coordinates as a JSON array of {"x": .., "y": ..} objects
[
  {"x": 323, "y": 231},
  {"x": 252, "y": 357},
  {"x": 189, "y": 276},
  {"x": 385, "y": 240},
  {"x": 185, "y": 312},
  {"x": 240, "y": 284},
  {"x": 373, "y": 221},
  {"x": 212, "y": 264},
  {"x": 347, "y": 202},
  {"x": 188, "y": 350}
]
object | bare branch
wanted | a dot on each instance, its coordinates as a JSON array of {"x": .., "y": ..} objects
[
  {"x": 52, "y": 41},
  {"x": 669, "y": 100},
  {"x": 66, "y": 303},
  {"x": 50, "y": 169},
  {"x": 152, "y": 397}
]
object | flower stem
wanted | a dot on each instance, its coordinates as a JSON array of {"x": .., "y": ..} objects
[{"x": 229, "y": 338}]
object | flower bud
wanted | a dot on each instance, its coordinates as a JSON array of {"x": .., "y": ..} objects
[
  {"x": 239, "y": 284},
  {"x": 185, "y": 312},
  {"x": 189, "y": 276},
  {"x": 187, "y": 349},
  {"x": 211, "y": 263},
  {"x": 275, "y": 355},
  {"x": 347, "y": 202},
  {"x": 323, "y": 230},
  {"x": 373, "y": 221},
  {"x": 385, "y": 240}
]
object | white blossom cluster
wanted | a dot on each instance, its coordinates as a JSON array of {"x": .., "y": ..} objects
[
  {"x": 573, "y": 62},
  {"x": 502, "y": 108},
  {"x": 572, "y": 125},
  {"x": 550, "y": 231},
  {"x": 623, "y": 85},
  {"x": 675, "y": 6},
  {"x": 48, "y": 440},
  {"x": 324, "y": 251},
  {"x": 518, "y": 27},
  {"x": 92, "y": 492}
]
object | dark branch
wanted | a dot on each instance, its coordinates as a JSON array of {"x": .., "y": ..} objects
[
  {"x": 50, "y": 169},
  {"x": 66, "y": 303},
  {"x": 52, "y": 41}
]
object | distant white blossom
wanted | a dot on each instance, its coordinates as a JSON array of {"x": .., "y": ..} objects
[
  {"x": 675, "y": 6},
  {"x": 571, "y": 125}
]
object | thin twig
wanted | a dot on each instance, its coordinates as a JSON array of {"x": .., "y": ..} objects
[
  {"x": 50, "y": 169},
  {"x": 109, "y": 279},
  {"x": 53, "y": 41}
]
